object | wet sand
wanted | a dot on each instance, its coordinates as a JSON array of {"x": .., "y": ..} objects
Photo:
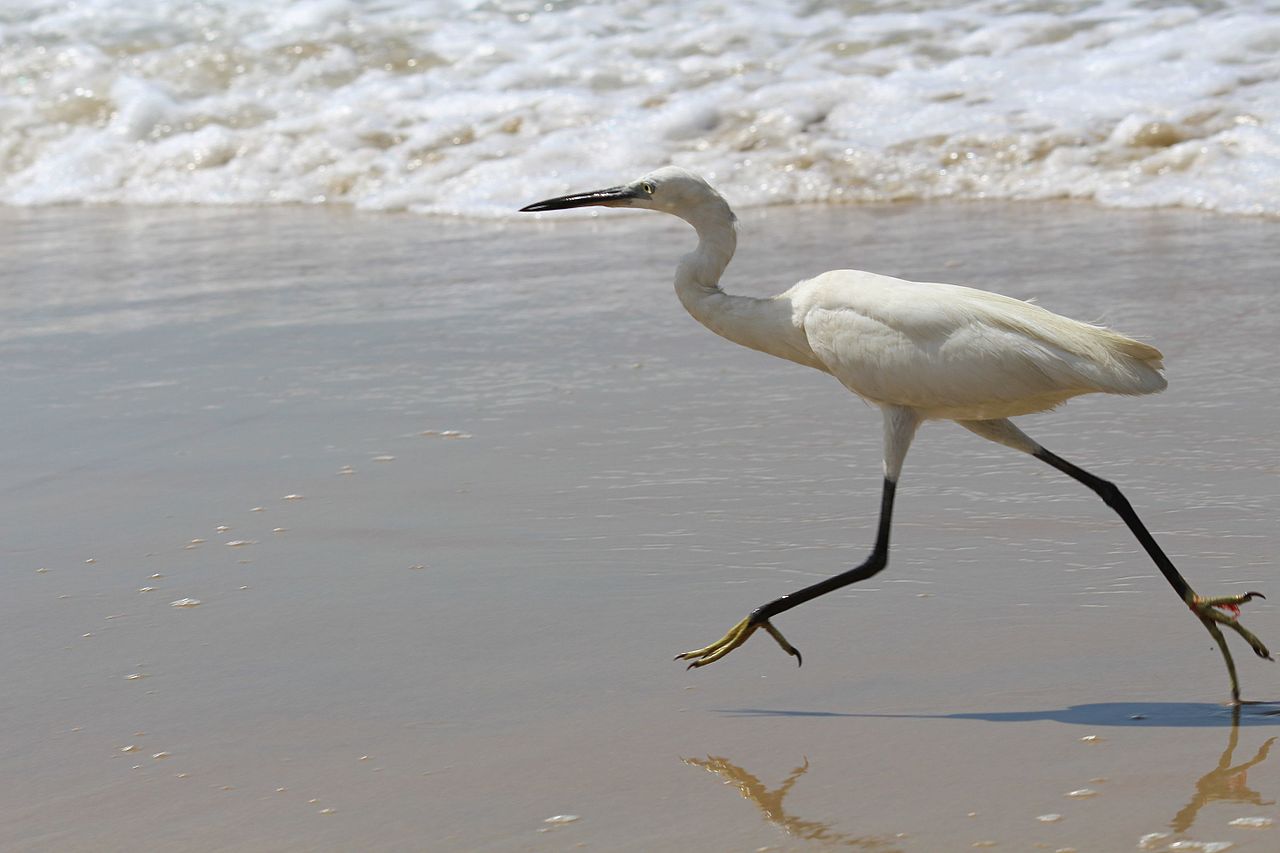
[{"x": 486, "y": 479}]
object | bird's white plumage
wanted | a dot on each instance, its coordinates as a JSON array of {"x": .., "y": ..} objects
[
  {"x": 942, "y": 350},
  {"x": 918, "y": 351},
  {"x": 960, "y": 353}
]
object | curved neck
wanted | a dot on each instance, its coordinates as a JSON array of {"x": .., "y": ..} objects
[
  {"x": 700, "y": 270},
  {"x": 766, "y": 325}
]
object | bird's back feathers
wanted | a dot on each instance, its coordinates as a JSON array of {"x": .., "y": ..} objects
[{"x": 961, "y": 353}]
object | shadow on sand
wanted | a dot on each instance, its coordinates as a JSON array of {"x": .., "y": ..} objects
[{"x": 1131, "y": 714}]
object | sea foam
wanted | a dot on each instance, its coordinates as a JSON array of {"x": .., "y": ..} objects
[{"x": 476, "y": 108}]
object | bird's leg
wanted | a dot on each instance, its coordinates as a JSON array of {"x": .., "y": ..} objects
[
  {"x": 1212, "y": 612},
  {"x": 760, "y": 617},
  {"x": 899, "y": 428}
]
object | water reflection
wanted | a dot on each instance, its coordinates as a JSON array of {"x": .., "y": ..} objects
[
  {"x": 769, "y": 801},
  {"x": 1225, "y": 783}
]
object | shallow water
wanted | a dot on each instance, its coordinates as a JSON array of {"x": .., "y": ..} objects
[{"x": 485, "y": 479}]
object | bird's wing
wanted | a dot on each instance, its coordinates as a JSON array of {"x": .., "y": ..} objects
[{"x": 957, "y": 352}]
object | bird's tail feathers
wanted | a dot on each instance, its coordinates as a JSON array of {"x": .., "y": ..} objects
[
  {"x": 1139, "y": 364},
  {"x": 1099, "y": 358},
  {"x": 1146, "y": 353}
]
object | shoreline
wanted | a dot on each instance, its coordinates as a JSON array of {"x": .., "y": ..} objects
[{"x": 487, "y": 479}]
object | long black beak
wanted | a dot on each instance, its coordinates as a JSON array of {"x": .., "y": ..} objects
[{"x": 611, "y": 197}]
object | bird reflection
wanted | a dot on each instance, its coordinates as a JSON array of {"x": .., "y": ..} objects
[
  {"x": 769, "y": 801},
  {"x": 1225, "y": 783},
  {"x": 1228, "y": 782}
]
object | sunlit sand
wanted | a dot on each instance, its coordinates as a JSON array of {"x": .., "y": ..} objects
[{"x": 328, "y": 531}]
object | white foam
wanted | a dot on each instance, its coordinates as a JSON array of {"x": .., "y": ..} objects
[{"x": 480, "y": 107}]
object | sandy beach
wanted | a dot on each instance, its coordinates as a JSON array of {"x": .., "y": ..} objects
[{"x": 335, "y": 531}]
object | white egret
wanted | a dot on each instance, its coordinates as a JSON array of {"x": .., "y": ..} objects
[{"x": 919, "y": 352}]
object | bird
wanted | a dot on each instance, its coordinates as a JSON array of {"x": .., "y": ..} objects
[{"x": 919, "y": 352}]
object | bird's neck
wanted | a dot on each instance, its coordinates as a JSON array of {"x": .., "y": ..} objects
[
  {"x": 700, "y": 270},
  {"x": 766, "y": 325}
]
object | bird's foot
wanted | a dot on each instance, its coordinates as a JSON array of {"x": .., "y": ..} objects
[
  {"x": 737, "y": 635},
  {"x": 1225, "y": 610}
]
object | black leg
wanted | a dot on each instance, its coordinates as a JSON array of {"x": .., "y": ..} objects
[
  {"x": 1115, "y": 499},
  {"x": 1212, "y": 612},
  {"x": 759, "y": 617},
  {"x": 872, "y": 565}
]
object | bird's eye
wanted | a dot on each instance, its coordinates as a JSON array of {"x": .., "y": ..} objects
[{"x": 647, "y": 187}]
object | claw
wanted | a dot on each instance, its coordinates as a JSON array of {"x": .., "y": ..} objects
[
  {"x": 1227, "y": 603},
  {"x": 737, "y": 635},
  {"x": 710, "y": 654},
  {"x": 1225, "y": 610},
  {"x": 782, "y": 641}
]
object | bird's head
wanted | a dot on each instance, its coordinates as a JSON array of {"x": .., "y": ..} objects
[{"x": 669, "y": 189}]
